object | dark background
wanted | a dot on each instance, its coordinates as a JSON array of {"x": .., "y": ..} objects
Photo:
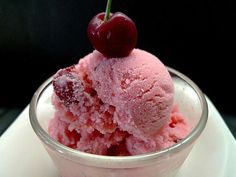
[{"x": 37, "y": 37}]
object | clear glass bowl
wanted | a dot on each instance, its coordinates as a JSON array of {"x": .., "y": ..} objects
[{"x": 164, "y": 163}]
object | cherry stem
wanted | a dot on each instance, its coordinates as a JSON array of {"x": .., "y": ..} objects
[{"x": 108, "y": 9}]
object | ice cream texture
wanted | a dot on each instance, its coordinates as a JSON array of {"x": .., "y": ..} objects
[{"x": 116, "y": 106}]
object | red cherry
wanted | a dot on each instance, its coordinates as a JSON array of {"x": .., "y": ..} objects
[
  {"x": 116, "y": 37},
  {"x": 66, "y": 85}
]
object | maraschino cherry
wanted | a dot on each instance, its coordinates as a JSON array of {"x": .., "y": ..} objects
[{"x": 114, "y": 35}]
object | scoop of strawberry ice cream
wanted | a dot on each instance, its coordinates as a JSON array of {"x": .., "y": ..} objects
[
  {"x": 138, "y": 86},
  {"x": 115, "y": 106}
]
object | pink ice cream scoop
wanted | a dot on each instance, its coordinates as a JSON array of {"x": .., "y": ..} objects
[
  {"x": 138, "y": 86},
  {"x": 116, "y": 106}
]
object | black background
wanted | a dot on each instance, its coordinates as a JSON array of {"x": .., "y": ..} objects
[{"x": 37, "y": 37}]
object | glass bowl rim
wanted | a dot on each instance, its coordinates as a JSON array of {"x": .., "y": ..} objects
[{"x": 116, "y": 161}]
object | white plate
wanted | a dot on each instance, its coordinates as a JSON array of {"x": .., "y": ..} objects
[{"x": 22, "y": 154}]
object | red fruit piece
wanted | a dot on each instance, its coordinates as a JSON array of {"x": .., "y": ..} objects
[
  {"x": 116, "y": 37},
  {"x": 67, "y": 85}
]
